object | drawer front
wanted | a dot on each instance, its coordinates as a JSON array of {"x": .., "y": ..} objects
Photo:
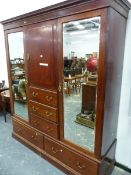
[
  {"x": 43, "y": 111},
  {"x": 45, "y": 126},
  {"x": 80, "y": 164},
  {"x": 43, "y": 96},
  {"x": 27, "y": 133}
]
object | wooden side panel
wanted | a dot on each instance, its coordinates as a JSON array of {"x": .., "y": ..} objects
[
  {"x": 114, "y": 67},
  {"x": 40, "y": 41}
]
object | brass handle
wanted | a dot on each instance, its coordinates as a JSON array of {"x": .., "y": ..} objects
[
  {"x": 34, "y": 108},
  {"x": 26, "y": 81},
  {"x": 48, "y": 113},
  {"x": 27, "y": 57},
  {"x": 80, "y": 166},
  {"x": 60, "y": 87},
  {"x": 34, "y": 94},
  {"x": 36, "y": 123},
  {"x": 54, "y": 150},
  {"x": 32, "y": 136},
  {"x": 19, "y": 130},
  {"x": 48, "y": 98}
]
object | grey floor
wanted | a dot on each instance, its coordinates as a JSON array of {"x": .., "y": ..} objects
[
  {"x": 21, "y": 109},
  {"x": 16, "y": 159},
  {"x": 74, "y": 132}
]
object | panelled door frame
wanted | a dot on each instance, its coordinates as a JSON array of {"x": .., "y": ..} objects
[
  {"x": 16, "y": 30},
  {"x": 101, "y": 77},
  {"x": 40, "y": 26}
]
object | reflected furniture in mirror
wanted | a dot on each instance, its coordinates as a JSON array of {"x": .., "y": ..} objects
[
  {"x": 80, "y": 79},
  {"x": 5, "y": 100},
  {"x": 65, "y": 69},
  {"x": 2, "y": 88},
  {"x": 18, "y": 74}
]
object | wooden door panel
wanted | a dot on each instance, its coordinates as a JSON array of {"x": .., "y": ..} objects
[{"x": 41, "y": 51}]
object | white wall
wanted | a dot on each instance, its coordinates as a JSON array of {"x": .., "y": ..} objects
[
  {"x": 3, "y": 67},
  {"x": 14, "y": 8},
  {"x": 123, "y": 154},
  {"x": 16, "y": 43},
  {"x": 81, "y": 45}
]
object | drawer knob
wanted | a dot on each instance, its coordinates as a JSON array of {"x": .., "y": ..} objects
[
  {"x": 36, "y": 123},
  {"x": 60, "y": 87},
  {"x": 54, "y": 150},
  {"x": 34, "y": 94},
  {"x": 49, "y": 99},
  {"x": 34, "y": 108},
  {"x": 80, "y": 166},
  {"x": 32, "y": 136},
  {"x": 48, "y": 113},
  {"x": 18, "y": 130},
  {"x": 26, "y": 81}
]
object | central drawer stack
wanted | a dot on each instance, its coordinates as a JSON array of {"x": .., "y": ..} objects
[{"x": 43, "y": 111}]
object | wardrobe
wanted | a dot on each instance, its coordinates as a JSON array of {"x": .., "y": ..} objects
[{"x": 65, "y": 67}]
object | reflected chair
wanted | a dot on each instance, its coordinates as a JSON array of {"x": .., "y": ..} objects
[{"x": 5, "y": 99}]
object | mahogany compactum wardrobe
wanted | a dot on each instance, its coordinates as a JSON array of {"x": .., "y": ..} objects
[{"x": 65, "y": 68}]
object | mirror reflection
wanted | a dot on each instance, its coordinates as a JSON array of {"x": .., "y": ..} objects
[
  {"x": 80, "y": 54},
  {"x": 16, "y": 53}
]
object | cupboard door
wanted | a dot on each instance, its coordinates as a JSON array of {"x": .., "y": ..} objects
[
  {"x": 40, "y": 41},
  {"x": 81, "y": 48},
  {"x": 18, "y": 74}
]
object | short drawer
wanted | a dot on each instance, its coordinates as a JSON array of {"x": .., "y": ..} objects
[
  {"x": 43, "y": 96},
  {"x": 29, "y": 134},
  {"x": 47, "y": 127},
  {"x": 74, "y": 160},
  {"x": 43, "y": 111}
]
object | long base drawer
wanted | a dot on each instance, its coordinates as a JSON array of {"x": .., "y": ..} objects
[
  {"x": 72, "y": 159},
  {"x": 28, "y": 133}
]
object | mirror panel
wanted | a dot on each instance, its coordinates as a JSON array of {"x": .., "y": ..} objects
[
  {"x": 18, "y": 78},
  {"x": 80, "y": 54}
]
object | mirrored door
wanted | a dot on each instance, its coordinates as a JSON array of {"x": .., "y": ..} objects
[
  {"x": 80, "y": 63},
  {"x": 18, "y": 75}
]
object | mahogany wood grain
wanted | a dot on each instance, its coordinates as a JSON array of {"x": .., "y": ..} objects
[
  {"x": 66, "y": 8},
  {"x": 43, "y": 111},
  {"x": 45, "y": 126},
  {"x": 29, "y": 134},
  {"x": 75, "y": 161},
  {"x": 113, "y": 80},
  {"x": 40, "y": 44},
  {"x": 43, "y": 96},
  {"x": 43, "y": 52}
]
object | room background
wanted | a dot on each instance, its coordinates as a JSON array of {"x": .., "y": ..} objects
[{"x": 14, "y": 8}]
